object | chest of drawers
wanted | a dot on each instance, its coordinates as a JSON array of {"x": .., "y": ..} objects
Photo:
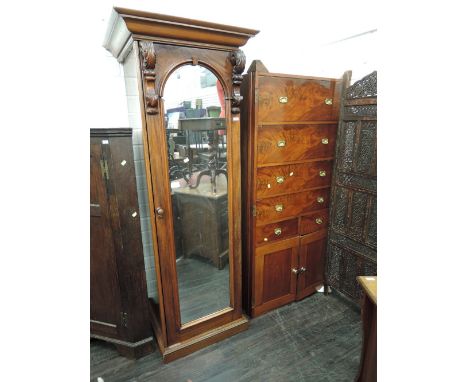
[{"x": 289, "y": 126}]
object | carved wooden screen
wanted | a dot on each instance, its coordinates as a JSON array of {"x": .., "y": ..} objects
[{"x": 352, "y": 245}]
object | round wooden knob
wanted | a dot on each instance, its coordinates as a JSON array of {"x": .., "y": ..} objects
[{"x": 159, "y": 212}]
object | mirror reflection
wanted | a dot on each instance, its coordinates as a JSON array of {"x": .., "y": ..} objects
[{"x": 196, "y": 140}]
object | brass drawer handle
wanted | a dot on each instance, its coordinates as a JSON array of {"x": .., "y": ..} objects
[
  {"x": 277, "y": 231},
  {"x": 322, "y": 173},
  {"x": 295, "y": 271},
  {"x": 279, "y": 208},
  {"x": 302, "y": 269},
  {"x": 265, "y": 239},
  {"x": 319, "y": 220},
  {"x": 279, "y": 179},
  {"x": 281, "y": 143},
  {"x": 325, "y": 141},
  {"x": 283, "y": 99},
  {"x": 328, "y": 101},
  {"x": 320, "y": 199}
]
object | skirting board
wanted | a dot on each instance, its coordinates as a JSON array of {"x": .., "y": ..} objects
[
  {"x": 133, "y": 350},
  {"x": 191, "y": 345}
]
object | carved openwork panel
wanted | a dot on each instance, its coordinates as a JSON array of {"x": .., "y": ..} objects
[
  {"x": 344, "y": 266},
  {"x": 364, "y": 88},
  {"x": 366, "y": 149},
  {"x": 353, "y": 213},
  {"x": 372, "y": 221},
  {"x": 361, "y": 110},
  {"x": 340, "y": 198},
  {"x": 357, "y": 147},
  {"x": 357, "y": 214}
]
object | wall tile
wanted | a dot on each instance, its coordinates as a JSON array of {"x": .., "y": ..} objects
[
  {"x": 133, "y": 103},
  {"x": 131, "y": 86}
]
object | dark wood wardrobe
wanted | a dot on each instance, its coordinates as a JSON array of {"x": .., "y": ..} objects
[
  {"x": 189, "y": 74},
  {"x": 289, "y": 128},
  {"x": 119, "y": 302}
]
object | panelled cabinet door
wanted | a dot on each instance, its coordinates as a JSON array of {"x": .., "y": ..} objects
[
  {"x": 275, "y": 275},
  {"x": 311, "y": 263},
  {"x": 104, "y": 291}
]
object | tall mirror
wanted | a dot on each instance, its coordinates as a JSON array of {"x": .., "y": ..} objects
[{"x": 195, "y": 123}]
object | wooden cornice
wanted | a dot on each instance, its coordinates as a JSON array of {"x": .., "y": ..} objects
[{"x": 126, "y": 25}]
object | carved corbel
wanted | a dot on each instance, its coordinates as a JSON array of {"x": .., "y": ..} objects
[
  {"x": 238, "y": 64},
  {"x": 148, "y": 55}
]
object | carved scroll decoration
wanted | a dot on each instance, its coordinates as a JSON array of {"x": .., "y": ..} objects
[
  {"x": 238, "y": 65},
  {"x": 149, "y": 76}
]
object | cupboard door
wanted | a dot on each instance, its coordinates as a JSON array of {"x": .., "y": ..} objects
[
  {"x": 275, "y": 277},
  {"x": 311, "y": 263},
  {"x": 105, "y": 297}
]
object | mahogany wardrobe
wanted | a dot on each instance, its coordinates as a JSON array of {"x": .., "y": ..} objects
[{"x": 188, "y": 75}]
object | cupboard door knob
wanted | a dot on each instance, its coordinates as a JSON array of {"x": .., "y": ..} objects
[
  {"x": 295, "y": 271},
  {"x": 325, "y": 141},
  {"x": 303, "y": 269},
  {"x": 328, "y": 101},
  {"x": 277, "y": 231},
  {"x": 279, "y": 208},
  {"x": 281, "y": 143},
  {"x": 322, "y": 173},
  {"x": 319, "y": 220},
  {"x": 279, "y": 179},
  {"x": 283, "y": 99},
  {"x": 320, "y": 199},
  {"x": 160, "y": 212}
]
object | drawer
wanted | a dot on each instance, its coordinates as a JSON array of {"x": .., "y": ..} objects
[
  {"x": 292, "y": 205},
  {"x": 276, "y": 231},
  {"x": 292, "y": 178},
  {"x": 290, "y": 143},
  {"x": 314, "y": 222},
  {"x": 295, "y": 99}
]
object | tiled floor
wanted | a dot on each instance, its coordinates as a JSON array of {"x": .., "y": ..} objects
[{"x": 317, "y": 339}]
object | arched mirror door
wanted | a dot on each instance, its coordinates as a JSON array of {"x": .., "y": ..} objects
[
  {"x": 190, "y": 74},
  {"x": 196, "y": 140}
]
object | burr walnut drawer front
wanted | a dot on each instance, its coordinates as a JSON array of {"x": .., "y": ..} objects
[
  {"x": 276, "y": 231},
  {"x": 274, "y": 180},
  {"x": 289, "y": 143},
  {"x": 295, "y": 99},
  {"x": 314, "y": 222},
  {"x": 292, "y": 205}
]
